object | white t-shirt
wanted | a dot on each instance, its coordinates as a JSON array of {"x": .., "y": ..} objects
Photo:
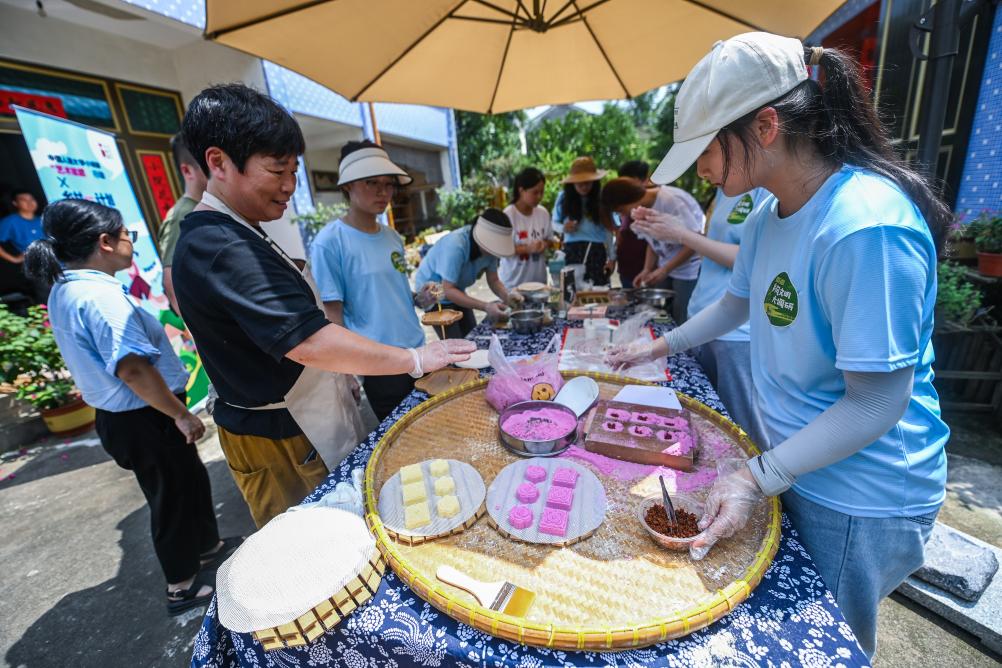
[
  {"x": 685, "y": 208},
  {"x": 519, "y": 269}
]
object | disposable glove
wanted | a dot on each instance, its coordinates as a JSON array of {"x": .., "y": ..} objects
[
  {"x": 729, "y": 505},
  {"x": 439, "y": 354}
]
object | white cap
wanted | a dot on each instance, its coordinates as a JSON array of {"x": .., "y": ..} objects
[
  {"x": 736, "y": 77},
  {"x": 366, "y": 163}
]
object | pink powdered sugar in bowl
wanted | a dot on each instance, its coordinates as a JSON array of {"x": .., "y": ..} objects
[{"x": 540, "y": 424}]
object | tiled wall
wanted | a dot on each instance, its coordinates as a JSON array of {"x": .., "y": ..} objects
[
  {"x": 981, "y": 184},
  {"x": 191, "y": 12}
]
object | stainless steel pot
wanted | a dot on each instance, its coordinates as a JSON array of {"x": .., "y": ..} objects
[
  {"x": 659, "y": 298},
  {"x": 525, "y": 448},
  {"x": 526, "y": 321}
]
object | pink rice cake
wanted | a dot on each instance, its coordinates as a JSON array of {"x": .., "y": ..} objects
[
  {"x": 527, "y": 493},
  {"x": 520, "y": 517},
  {"x": 535, "y": 473},
  {"x": 565, "y": 477},
  {"x": 560, "y": 497},
  {"x": 646, "y": 418},
  {"x": 610, "y": 425},
  {"x": 640, "y": 431},
  {"x": 618, "y": 415},
  {"x": 554, "y": 522}
]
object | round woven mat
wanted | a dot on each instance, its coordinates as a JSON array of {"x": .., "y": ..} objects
[{"x": 617, "y": 589}]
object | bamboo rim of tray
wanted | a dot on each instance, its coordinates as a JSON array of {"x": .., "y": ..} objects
[
  {"x": 408, "y": 539},
  {"x": 548, "y": 635}
]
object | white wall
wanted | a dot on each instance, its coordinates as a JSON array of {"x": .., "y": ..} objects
[{"x": 204, "y": 63}]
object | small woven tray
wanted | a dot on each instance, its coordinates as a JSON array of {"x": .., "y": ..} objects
[{"x": 615, "y": 590}]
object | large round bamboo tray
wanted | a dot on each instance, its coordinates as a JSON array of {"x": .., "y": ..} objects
[{"x": 616, "y": 590}]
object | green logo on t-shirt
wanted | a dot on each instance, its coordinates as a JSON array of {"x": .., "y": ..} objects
[
  {"x": 740, "y": 210},
  {"x": 781, "y": 301},
  {"x": 399, "y": 263}
]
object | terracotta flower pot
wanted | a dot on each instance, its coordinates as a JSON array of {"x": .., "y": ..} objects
[
  {"x": 961, "y": 249},
  {"x": 74, "y": 418}
]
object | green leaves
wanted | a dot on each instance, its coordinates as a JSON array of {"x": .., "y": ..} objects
[
  {"x": 987, "y": 232},
  {"x": 958, "y": 299},
  {"x": 30, "y": 359}
]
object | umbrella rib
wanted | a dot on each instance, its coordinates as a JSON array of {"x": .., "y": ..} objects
[
  {"x": 267, "y": 17},
  {"x": 504, "y": 59},
  {"x": 719, "y": 12},
  {"x": 499, "y": 10},
  {"x": 410, "y": 48},
  {"x": 599, "y": 45},
  {"x": 574, "y": 17},
  {"x": 561, "y": 11}
]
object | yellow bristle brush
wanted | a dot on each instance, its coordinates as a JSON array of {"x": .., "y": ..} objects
[{"x": 502, "y": 597}]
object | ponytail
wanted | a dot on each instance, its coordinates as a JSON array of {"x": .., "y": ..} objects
[
  {"x": 618, "y": 192},
  {"x": 839, "y": 120},
  {"x": 72, "y": 229}
]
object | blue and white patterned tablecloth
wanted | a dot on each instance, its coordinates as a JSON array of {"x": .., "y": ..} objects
[{"x": 791, "y": 619}]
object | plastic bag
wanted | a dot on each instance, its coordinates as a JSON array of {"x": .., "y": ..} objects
[
  {"x": 629, "y": 329},
  {"x": 513, "y": 381}
]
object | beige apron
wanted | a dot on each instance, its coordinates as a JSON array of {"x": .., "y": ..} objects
[{"x": 320, "y": 401}]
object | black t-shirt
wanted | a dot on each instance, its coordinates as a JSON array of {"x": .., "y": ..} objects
[{"x": 246, "y": 307}]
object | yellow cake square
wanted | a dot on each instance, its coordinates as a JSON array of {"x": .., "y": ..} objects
[
  {"x": 448, "y": 506},
  {"x": 439, "y": 467},
  {"x": 414, "y": 493},
  {"x": 445, "y": 485},
  {"x": 417, "y": 515},
  {"x": 409, "y": 474}
]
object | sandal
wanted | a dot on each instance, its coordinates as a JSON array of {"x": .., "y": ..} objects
[
  {"x": 214, "y": 560},
  {"x": 186, "y": 599}
]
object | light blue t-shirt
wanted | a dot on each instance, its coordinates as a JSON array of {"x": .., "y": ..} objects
[
  {"x": 587, "y": 229},
  {"x": 449, "y": 260},
  {"x": 96, "y": 325},
  {"x": 848, "y": 283},
  {"x": 367, "y": 273},
  {"x": 20, "y": 232},
  {"x": 731, "y": 217}
]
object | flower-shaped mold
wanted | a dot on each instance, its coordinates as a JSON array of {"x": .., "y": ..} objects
[
  {"x": 618, "y": 415},
  {"x": 646, "y": 418},
  {"x": 553, "y": 522},
  {"x": 678, "y": 423},
  {"x": 527, "y": 493},
  {"x": 565, "y": 478},
  {"x": 520, "y": 517},
  {"x": 640, "y": 431},
  {"x": 535, "y": 473},
  {"x": 610, "y": 425}
]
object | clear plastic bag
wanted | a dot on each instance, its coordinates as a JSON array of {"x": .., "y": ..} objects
[{"x": 513, "y": 381}]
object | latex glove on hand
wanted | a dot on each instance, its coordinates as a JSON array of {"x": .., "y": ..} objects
[
  {"x": 631, "y": 354},
  {"x": 439, "y": 354},
  {"x": 729, "y": 505},
  {"x": 496, "y": 311},
  {"x": 660, "y": 226},
  {"x": 515, "y": 299},
  {"x": 429, "y": 295}
]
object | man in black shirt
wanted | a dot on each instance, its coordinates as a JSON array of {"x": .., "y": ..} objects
[{"x": 265, "y": 343}]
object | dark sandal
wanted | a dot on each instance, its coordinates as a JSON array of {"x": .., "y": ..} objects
[
  {"x": 214, "y": 560},
  {"x": 185, "y": 599}
]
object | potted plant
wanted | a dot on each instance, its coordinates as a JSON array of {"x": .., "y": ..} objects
[
  {"x": 987, "y": 230},
  {"x": 958, "y": 299},
  {"x": 960, "y": 242},
  {"x": 30, "y": 362}
]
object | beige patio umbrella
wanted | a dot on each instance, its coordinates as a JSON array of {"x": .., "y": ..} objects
[{"x": 496, "y": 55}]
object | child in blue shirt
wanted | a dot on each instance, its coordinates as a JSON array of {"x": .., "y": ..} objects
[{"x": 838, "y": 278}]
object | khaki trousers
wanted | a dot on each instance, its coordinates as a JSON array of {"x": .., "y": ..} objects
[{"x": 270, "y": 473}]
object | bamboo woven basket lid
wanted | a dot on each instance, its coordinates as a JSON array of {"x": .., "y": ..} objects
[{"x": 614, "y": 590}]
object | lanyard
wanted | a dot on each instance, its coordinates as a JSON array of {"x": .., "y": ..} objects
[{"x": 219, "y": 205}]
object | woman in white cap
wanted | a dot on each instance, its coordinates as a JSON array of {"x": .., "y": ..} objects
[
  {"x": 838, "y": 276},
  {"x": 576, "y": 215},
  {"x": 460, "y": 258},
  {"x": 359, "y": 267}
]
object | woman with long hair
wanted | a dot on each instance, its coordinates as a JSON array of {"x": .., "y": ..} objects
[
  {"x": 531, "y": 230},
  {"x": 588, "y": 239},
  {"x": 667, "y": 264},
  {"x": 838, "y": 277},
  {"x": 123, "y": 363}
]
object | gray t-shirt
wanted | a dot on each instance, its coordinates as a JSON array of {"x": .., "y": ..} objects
[{"x": 519, "y": 269}]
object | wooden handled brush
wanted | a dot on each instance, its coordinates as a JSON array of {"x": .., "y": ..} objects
[{"x": 499, "y": 596}]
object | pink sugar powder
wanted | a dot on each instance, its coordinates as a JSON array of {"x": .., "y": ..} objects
[
  {"x": 646, "y": 418},
  {"x": 618, "y": 415},
  {"x": 553, "y": 522},
  {"x": 610, "y": 425},
  {"x": 527, "y": 493},
  {"x": 639, "y": 430},
  {"x": 520, "y": 517},
  {"x": 535, "y": 473},
  {"x": 677, "y": 480},
  {"x": 541, "y": 424},
  {"x": 679, "y": 423}
]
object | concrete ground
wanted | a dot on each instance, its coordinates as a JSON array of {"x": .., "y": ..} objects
[{"x": 80, "y": 586}]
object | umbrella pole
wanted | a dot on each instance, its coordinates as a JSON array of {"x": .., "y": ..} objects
[{"x": 375, "y": 138}]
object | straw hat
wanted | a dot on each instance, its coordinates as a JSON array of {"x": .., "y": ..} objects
[
  {"x": 493, "y": 233},
  {"x": 366, "y": 163},
  {"x": 298, "y": 576},
  {"x": 583, "y": 170}
]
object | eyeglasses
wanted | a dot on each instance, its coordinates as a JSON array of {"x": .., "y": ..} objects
[
  {"x": 133, "y": 235},
  {"x": 381, "y": 186}
]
